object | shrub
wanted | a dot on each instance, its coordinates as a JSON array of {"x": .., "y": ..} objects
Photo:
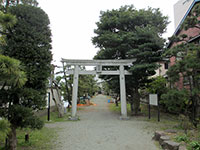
[
  {"x": 175, "y": 101},
  {"x": 4, "y": 128},
  {"x": 181, "y": 138},
  {"x": 195, "y": 145}
]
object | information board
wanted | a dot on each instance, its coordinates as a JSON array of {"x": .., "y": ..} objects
[{"x": 153, "y": 99}]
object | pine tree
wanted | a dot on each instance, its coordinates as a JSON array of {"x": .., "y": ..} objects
[{"x": 128, "y": 33}]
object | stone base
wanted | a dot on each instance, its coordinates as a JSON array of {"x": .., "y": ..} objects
[
  {"x": 74, "y": 118},
  {"x": 124, "y": 118},
  {"x": 165, "y": 141}
]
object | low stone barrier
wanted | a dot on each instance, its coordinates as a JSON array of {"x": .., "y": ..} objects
[{"x": 165, "y": 141}]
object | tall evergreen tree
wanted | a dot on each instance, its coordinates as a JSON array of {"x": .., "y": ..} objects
[
  {"x": 128, "y": 33},
  {"x": 187, "y": 68},
  {"x": 5, "y": 4},
  {"x": 28, "y": 41},
  {"x": 187, "y": 54}
]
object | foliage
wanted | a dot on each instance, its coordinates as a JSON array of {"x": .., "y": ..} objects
[
  {"x": 106, "y": 87},
  {"x": 195, "y": 145},
  {"x": 5, "y": 4},
  {"x": 11, "y": 73},
  {"x": 127, "y": 33},
  {"x": 175, "y": 101},
  {"x": 4, "y": 128},
  {"x": 183, "y": 138},
  {"x": 87, "y": 84},
  {"x": 28, "y": 41},
  {"x": 31, "y": 28},
  {"x": 158, "y": 86},
  {"x": 192, "y": 19},
  {"x": 185, "y": 123},
  {"x": 186, "y": 70},
  {"x": 7, "y": 21}
]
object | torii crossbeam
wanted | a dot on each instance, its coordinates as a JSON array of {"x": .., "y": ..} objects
[{"x": 99, "y": 64}]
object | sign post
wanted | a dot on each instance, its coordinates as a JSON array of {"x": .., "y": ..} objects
[
  {"x": 153, "y": 100},
  {"x": 48, "y": 111}
]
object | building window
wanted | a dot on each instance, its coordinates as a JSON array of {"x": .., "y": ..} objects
[{"x": 166, "y": 66}]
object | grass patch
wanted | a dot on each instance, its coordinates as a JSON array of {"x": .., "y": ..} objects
[
  {"x": 117, "y": 109},
  {"x": 38, "y": 139},
  {"x": 166, "y": 120},
  {"x": 54, "y": 117},
  {"x": 191, "y": 139}
]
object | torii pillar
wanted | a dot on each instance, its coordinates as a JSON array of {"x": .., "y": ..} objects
[
  {"x": 75, "y": 93},
  {"x": 123, "y": 94}
]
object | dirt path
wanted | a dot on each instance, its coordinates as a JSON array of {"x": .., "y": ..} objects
[{"x": 100, "y": 129}]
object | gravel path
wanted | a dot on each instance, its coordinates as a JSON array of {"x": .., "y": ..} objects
[{"x": 100, "y": 129}]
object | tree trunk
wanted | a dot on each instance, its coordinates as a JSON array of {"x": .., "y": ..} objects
[
  {"x": 12, "y": 139},
  {"x": 136, "y": 101},
  {"x": 132, "y": 107},
  {"x": 58, "y": 105}
]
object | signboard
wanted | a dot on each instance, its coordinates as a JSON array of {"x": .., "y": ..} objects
[{"x": 153, "y": 99}]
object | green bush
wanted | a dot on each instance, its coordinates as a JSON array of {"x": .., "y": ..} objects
[
  {"x": 4, "y": 129},
  {"x": 195, "y": 145},
  {"x": 175, "y": 101},
  {"x": 181, "y": 138}
]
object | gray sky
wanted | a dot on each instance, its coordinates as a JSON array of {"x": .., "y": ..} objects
[{"x": 73, "y": 23}]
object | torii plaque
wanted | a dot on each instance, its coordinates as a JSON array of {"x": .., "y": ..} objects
[{"x": 99, "y": 64}]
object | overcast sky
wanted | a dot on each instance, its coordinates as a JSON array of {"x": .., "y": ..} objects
[{"x": 73, "y": 23}]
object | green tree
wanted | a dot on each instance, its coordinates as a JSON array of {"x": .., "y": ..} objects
[
  {"x": 5, "y": 4},
  {"x": 192, "y": 19},
  {"x": 175, "y": 101},
  {"x": 28, "y": 41},
  {"x": 129, "y": 33},
  {"x": 4, "y": 129},
  {"x": 12, "y": 78},
  {"x": 158, "y": 86},
  {"x": 87, "y": 84},
  {"x": 11, "y": 74},
  {"x": 186, "y": 69}
]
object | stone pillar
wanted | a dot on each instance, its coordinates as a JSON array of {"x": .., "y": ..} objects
[
  {"x": 123, "y": 94},
  {"x": 75, "y": 93}
]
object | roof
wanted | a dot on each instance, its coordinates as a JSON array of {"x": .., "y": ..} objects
[{"x": 183, "y": 19}]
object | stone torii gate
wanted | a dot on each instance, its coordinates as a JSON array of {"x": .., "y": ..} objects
[{"x": 99, "y": 64}]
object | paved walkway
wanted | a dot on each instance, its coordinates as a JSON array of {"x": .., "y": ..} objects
[{"x": 100, "y": 129}]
